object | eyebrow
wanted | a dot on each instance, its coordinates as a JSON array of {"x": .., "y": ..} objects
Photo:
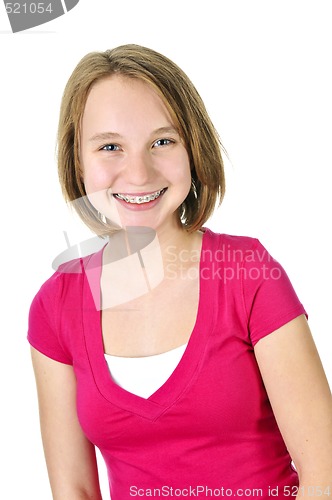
[{"x": 107, "y": 136}]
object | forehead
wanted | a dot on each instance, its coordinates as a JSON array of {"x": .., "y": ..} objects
[{"x": 121, "y": 102}]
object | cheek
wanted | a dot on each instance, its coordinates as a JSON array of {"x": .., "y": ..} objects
[
  {"x": 104, "y": 203},
  {"x": 181, "y": 171},
  {"x": 96, "y": 176},
  {"x": 97, "y": 182}
]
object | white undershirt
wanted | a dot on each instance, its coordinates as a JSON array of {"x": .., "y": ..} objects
[{"x": 143, "y": 376}]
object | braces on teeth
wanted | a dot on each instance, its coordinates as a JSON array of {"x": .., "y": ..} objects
[{"x": 140, "y": 199}]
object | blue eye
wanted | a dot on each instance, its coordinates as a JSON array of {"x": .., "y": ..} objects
[
  {"x": 162, "y": 142},
  {"x": 110, "y": 147}
]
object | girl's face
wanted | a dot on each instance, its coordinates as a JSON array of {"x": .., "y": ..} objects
[{"x": 135, "y": 167}]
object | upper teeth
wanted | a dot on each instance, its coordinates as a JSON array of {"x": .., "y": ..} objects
[{"x": 139, "y": 199}]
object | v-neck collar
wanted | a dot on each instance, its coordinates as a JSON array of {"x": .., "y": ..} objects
[{"x": 152, "y": 407}]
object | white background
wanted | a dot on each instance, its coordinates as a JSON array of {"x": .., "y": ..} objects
[{"x": 263, "y": 69}]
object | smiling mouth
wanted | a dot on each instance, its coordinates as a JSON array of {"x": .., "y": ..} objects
[{"x": 146, "y": 198}]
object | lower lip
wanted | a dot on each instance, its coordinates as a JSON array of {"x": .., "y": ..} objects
[{"x": 140, "y": 206}]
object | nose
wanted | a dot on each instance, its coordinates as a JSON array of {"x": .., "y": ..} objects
[{"x": 139, "y": 169}]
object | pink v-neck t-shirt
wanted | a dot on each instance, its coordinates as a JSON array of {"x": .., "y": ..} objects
[{"x": 209, "y": 430}]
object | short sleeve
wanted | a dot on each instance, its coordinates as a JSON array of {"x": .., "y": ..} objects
[
  {"x": 270, "y": 300},
  {"x": 43, "y": 332}
]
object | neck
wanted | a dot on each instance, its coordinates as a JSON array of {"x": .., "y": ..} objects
[
  {"x": 140, "y": 260},
  {"x": 170, "y": 244}
]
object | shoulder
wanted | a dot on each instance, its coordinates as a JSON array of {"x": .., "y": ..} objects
[
  {"x": 69, "y": 273},
  {"x": 66, "y": 282},
  {"x": 234, "y": 247},
  {"x": 54, "y": 311},
  {"x": 244, "y": 258},
  {"x": 257, "y": 281}
]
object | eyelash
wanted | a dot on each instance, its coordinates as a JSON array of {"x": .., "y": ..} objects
[{"x": 107, "y": 146}]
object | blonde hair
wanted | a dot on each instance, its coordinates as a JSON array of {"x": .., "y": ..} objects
[{"x": 185, "y": 107}]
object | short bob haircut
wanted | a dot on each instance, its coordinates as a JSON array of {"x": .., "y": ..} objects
[{"x": 186, "y": 109}]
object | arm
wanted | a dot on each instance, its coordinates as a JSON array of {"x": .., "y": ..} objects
[
  {"x": 70, "y": 457},
  {"x": 301, "y": 401}
]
